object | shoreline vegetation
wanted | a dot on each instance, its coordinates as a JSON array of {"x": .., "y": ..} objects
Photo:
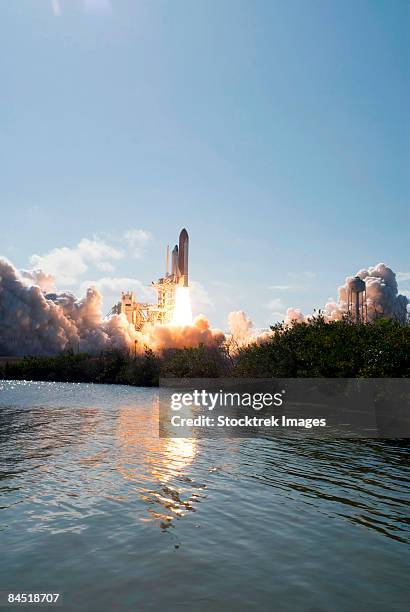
[{"x": 340, "y": 349}]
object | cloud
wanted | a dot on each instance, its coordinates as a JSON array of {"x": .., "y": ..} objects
[
  {"x": 99, "y": 253},
  {"x": 281, "y": 287},
  {"x": 300, "y": 281},
  {"x": 137, "y": 240},
  {"x": 64, "y": 264},
  {"x": 279, "y": 316},
  {"x": 67, "y": 264},
  {"x": 275, "y": 304},
  {"x": 277, "y": 308},
  {"x": 403, "y": 276},
  {"x": 111, "y": 289}
]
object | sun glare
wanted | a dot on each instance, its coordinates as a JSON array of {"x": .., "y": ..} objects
[{"x": 182, "y": 311}]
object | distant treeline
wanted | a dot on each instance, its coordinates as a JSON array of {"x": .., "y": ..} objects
[{"x": 318, "y": 349}]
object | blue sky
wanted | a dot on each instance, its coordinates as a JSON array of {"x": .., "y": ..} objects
[{"x": 276, "y": 132}]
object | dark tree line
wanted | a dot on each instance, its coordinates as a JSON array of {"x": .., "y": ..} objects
[{"x": 318, "y": 349}]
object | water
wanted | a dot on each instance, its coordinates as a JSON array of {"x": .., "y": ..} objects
[{"x": 94, "y": 506}]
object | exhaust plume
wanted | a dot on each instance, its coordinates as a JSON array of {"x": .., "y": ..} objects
[
  {"x": 39, "y": 278},
  {"x": 36, "y": 321},
  {"x": 160, "y": 337}
]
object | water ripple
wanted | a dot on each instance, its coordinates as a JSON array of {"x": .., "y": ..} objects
[{"x": 85, "y": 461}]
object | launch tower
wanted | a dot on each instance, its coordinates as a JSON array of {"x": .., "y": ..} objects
[{"x": 138, "y": 313}]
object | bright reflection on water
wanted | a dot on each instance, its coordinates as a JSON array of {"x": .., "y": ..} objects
[{"x": 94, "y": 505}]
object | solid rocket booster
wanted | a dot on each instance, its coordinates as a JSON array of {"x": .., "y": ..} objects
[
  {"x": 182, "y": 253},
  {"x": 174, "y": 265}
]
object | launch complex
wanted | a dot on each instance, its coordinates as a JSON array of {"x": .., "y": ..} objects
[
  {"x": 173, "y": 305},
  {"x": 173, "y": 301}
]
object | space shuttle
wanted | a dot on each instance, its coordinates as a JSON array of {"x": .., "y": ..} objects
[{"x": 179, "y": 260}]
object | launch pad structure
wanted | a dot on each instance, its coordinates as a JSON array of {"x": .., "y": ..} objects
[{"x": 141, "y": 313}]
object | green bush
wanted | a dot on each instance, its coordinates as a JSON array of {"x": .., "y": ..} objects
[
  {"x": 200, "y": 362},
  {"x": 336, "y": 349},
  {"x": 316, "y": 349}
]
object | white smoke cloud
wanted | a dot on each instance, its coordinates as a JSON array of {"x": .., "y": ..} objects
[
  {"x": 34, "y": 319},
  {"x": 33, "y": 322},
  {"x": 382, "y": 297},
  {"x": 240, "y": 327},
  {"x": 383, "y": 300},
  {"x": 295, "y": 315},
  {"x": 111, "y": 288},
  {"x": 39, "y": 278},
  {"x": 242, "y": 331}
]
